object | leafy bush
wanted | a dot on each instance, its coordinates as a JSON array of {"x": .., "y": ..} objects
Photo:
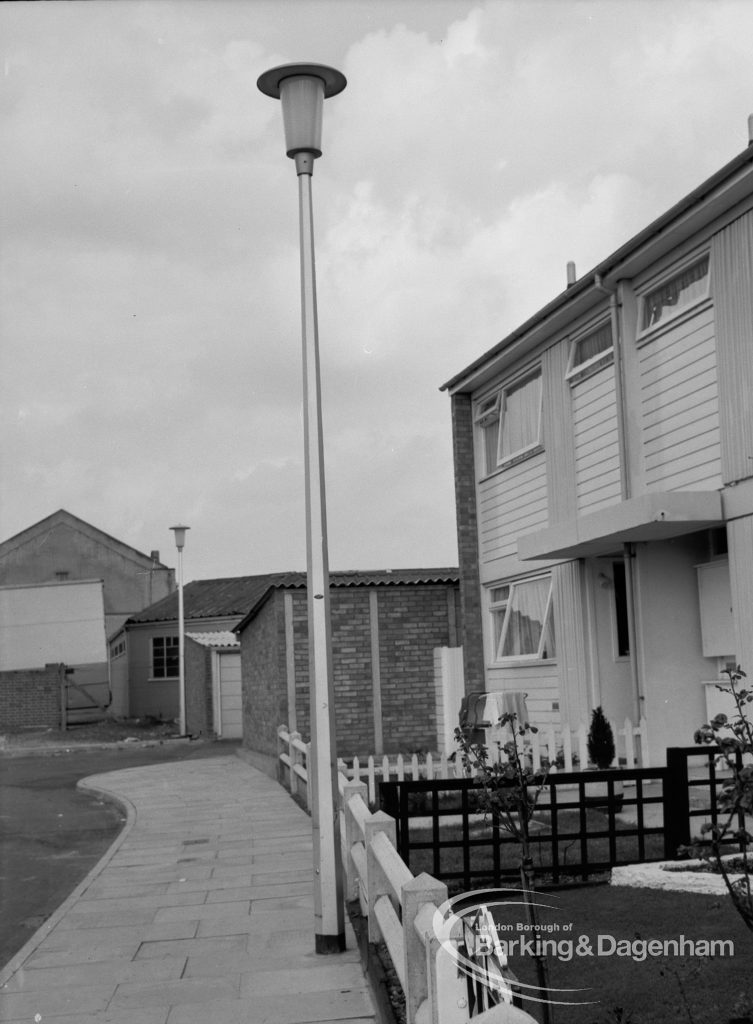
[{"x": 734, "y": 737}]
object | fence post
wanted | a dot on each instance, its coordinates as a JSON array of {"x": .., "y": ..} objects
[
  {"x": 629, "y": 744},
  {"x": 63, "y": 699},
  {"x": 379, "y": 822},
  {"x": 309, "y": 779},
  {"x": 676, "y": 798},
  {"x": 351, "y": 836},
  {"x": 295, "y": 758},
  {"x": 282, "y": 732},
  {"x": 567, "y": 747},
  {"x": 645, "y": 761},
  {"x": 415, "y": 894}
]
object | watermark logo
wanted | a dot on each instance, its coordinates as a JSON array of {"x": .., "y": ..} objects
[{"x": 483, "y": 931}]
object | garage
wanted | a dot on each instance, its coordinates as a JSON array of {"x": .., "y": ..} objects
[
  {"x": 213, "y": 684},
  {"x": 229, "y": 713}
]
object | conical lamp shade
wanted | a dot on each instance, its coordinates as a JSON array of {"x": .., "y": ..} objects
[{"x": 302, "y": 98}]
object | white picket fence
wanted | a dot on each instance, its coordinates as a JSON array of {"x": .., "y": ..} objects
[
  {"x": 562, "y": 748},
  {"x": 403, "y": 910}
]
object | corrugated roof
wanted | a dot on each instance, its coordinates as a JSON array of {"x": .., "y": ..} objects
[
  {"x": 373, "y": 578},
  {"x": 210, "y": 599},
  {"x": 217, "y": 638},
  {"x": 240, "y": 595},
  {"x": 356, "y": 578}
]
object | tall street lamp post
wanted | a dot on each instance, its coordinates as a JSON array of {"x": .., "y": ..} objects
[
  {"x": 302, "y": 89},
  {"x": 180, "y": 540}
]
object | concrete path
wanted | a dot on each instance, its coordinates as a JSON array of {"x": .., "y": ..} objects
[{"x": 200, "y": 913}]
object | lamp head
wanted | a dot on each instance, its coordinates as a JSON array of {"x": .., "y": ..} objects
[
  {"x": 180, "y": 535},
  {"x": 302, "y": 89}
]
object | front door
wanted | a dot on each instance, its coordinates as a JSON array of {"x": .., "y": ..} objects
[
  {"x": 614, "y": 689},
  {"x": 229, "y": 692}
]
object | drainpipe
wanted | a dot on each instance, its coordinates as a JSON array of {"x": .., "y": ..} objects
[{"x": 628, "y": 550}]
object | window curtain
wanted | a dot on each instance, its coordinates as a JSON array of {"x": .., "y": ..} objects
[
  {"x": 525, "y": 621},
  {"x": 520, "y": 428},
  {"x": 596, "y": 343},
  {"x": 680, "y": 291},
  {"x": 491, "y": 440}
]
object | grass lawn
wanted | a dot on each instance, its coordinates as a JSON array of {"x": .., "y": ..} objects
[{"x": 660, "y": 989}]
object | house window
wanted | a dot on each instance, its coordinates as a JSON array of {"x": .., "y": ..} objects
[
  {"x": 678, "y": 293},
  {"x": 522, "y": 622},
  {"x": 510, "y": 422},
  {"x": 165, "y": 657},
  {"x": 117, "y": 648},
  {"x": 591, "y": 351}
]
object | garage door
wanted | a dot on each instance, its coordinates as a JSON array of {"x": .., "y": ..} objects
[{"x": 231, "y": 715}]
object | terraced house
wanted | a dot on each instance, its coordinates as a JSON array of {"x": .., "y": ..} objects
[{"x": 604, "y": 480}]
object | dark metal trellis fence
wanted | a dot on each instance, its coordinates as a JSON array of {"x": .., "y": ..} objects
[{"x": 638, "y": 815}]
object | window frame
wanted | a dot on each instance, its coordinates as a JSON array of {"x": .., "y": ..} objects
[
  {"x": 175, "y": 643},
  {"x": 578, "y": 371},
  {"x": 679, "y": 311},
  {"x": 492, "y": 408},
  {"x": 117, "y": 648},
  {"x": 497, "y": 642}
]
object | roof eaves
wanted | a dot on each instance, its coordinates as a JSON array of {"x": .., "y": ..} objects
[{"x": 608, "y": 267}]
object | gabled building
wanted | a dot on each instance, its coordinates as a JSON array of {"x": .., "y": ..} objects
[
  {"x": 604, "y": 480},
  {"x": 63, "y": 547},
  {"x": 144, "y": 653},
  {"x": 62, "y": 560},
  {"x": 398, "y": 678}
]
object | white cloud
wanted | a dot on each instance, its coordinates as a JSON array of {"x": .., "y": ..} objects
[{"x": 150, "y": 309}]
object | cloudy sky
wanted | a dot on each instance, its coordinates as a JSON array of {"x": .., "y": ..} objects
[{"x": 149, "y": 312}]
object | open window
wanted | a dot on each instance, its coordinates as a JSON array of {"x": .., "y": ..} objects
[
  {"x": 675, "y": 295},
  {"x": 509, "y": 422},
  {"x": 522, "y": 619},
  {"x": 590, "y": 352}
]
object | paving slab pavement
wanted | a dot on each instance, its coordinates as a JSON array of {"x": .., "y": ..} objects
[{"x": 201, "y": 911}]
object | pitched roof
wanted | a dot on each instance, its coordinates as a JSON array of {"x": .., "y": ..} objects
[
  {"x": 63, "y": 518},
  {"x": 209, "y": 599},
  {"x": 242, "y": 595}
]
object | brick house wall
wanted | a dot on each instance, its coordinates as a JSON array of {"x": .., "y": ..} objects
[
  {"x": 412, "y": 620},
  {"x": 468, "y": 553},
  {"x": 264, "y": 680},
  {"x": 30, "y": 697}
]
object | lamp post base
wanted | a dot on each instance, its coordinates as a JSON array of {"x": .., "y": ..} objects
[{"x": 328, "y": 944}]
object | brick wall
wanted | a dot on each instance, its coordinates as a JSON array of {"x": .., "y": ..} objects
[
  {"x": 198, "y": 674},
  {"x": 467, "y": 527},
  {"x": 264, "y": 681},
  {"x": 412, "y": 621},
  {"x": 30, "y": 697}
]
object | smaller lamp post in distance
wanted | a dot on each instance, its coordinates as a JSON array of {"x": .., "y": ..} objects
[
  {"x": 180, "y": 540},
  {"x": 302, "y": 89}
]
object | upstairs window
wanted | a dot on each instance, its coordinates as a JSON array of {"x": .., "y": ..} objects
[
  {"x": 510, "y": 422},
  {"x": 522, "y": 621},
  {"x": 165, "y": 657},
  {"x": 683, "y": 290},
  {"x": 591, "y": 351}
]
